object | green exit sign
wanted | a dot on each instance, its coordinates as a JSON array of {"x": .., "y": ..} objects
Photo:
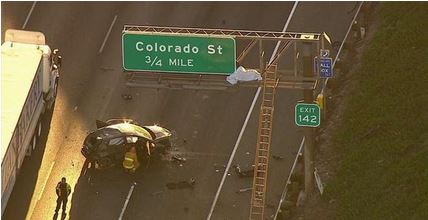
[
  {"x": 307, "y": 115},
  {"x": 178, "y": 53}
]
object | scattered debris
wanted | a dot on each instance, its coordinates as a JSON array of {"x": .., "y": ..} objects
[
  {"x": 244, "y": 173},
  {"x": 75, "y": 108},
  {"x": 247, "y": 153},
  {"x": 179, "y": 159},
  {"x": 244, "y": 190},
  {"x": 126, "y": 96},
  {"x": 301, "y": 198},
  {"x": 157, "y": 193},
  {"x": 182, "y": 184},
  {"x": 217, "y": 167},
  {"x": 277, "y": 157}
]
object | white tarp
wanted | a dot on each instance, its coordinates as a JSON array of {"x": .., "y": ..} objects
[{"x": 241, "y": 74}]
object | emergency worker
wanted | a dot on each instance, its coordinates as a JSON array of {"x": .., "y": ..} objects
[
  {"x": 130, "y": 162},
  {"x": 63, "y": 190}
]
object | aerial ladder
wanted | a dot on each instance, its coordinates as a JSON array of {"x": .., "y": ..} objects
[{"x": 263, "y": 143}]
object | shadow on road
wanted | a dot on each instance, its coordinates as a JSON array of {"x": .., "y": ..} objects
[{"x": 99, "y": 193}]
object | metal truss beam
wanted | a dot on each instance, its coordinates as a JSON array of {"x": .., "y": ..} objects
[
  {"x": 246, "y": 51},
  {"x": 238, "y": 34},
  {"x": 211, "y": 82}
]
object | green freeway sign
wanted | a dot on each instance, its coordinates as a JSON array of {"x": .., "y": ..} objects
[
  {"x": 307, "y": 115},
  {"x": 178, "y": 53}
]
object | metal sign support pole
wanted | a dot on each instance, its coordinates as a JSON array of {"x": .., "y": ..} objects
[
  {"x": 261, "y": 58},
  {"x": 308, "y": 131}
]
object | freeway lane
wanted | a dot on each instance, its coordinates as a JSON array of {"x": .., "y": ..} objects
[
  {"x": 308, "y": 17},
  {"x": 65, "y": 26},
  {"x": 78, "y": 29},
  {"x": 209, "y": 121},
  {"x": 13, "y": 15}
]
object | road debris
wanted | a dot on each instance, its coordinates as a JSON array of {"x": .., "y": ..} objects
[
  {"x": 178, "y": 159},
  {"x": 244, "y": 190},
  {"x": 127, "y": 96},
  {"x": 157, "y": 193},
  {"x": 277, "y": 157},
  {"x": 182, "y": 184},
  {"x": 244, "y": 173}
]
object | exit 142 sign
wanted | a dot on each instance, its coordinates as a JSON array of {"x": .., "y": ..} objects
[{"x": 307, "y": 115}]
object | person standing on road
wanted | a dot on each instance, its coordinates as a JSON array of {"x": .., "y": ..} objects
[
  {"x": 63, "y": 190},
  {"x": 130, "y": 162}
]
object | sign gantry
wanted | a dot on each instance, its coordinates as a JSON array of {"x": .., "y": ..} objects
[{"x": 209, "y": 55}]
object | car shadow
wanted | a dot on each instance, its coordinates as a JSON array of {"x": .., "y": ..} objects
[{"x": 99, "y": 193}]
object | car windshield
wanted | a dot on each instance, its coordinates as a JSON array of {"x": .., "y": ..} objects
[
  {"x": 95, "y": 138},
  {"x": 108, "y": 132}
]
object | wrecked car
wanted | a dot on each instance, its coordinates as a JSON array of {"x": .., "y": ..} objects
[{"x": 107, "y": 145}]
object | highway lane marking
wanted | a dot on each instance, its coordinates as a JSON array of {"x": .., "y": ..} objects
[
  {"x": 108, "y": 34},
  {"x": 244, "y": 126},
  {"x": 322, "y": 91},
  {"x": 284, "y": 192},
  {"x": 343, "y": 42},
  {"x": 46, "y": 180},
  {"x": 28, "y": 16},
  {"x": 126, "y": 201}
]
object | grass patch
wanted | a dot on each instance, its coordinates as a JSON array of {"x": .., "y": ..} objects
[{"x": 383, "y": 138}]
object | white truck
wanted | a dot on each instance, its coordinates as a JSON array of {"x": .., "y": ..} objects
[{"x": 29, "y": 81}]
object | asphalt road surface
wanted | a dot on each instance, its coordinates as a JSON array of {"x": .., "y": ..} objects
[{"x": 206, "y": 124}]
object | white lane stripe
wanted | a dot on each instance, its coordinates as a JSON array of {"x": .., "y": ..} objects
[
  {"x": 46, "y": 180},
  {"x": 341, "y": 45},
  {"x": 107, "y": 35},
  {"x": 284, "y": 192},
  {"x": 126, "y": 201},
  {"x": 283, "y": 30},
  {"x": 244, "y": 126},
  {"x": 28, "y": 16}
]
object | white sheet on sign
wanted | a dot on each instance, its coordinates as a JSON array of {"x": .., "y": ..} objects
[{"x": 241, "y": 74}]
